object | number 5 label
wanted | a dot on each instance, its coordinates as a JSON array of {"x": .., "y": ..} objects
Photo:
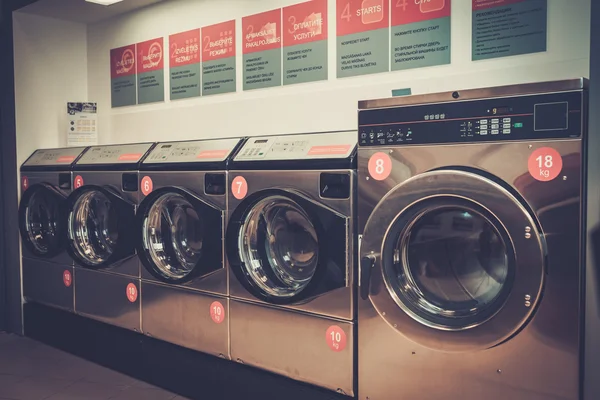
[
  {"x": 545, "y": 164},
  {"x": 239, "y": 187},
  {"x": 380, "y": 166}
]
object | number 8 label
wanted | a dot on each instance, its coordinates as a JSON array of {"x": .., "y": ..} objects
[
  {"x": 545, "y": 164},
  {"x": 380, "y": 166},
  {"x": 239, "y": 187}
]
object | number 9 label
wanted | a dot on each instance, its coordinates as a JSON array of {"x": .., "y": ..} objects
[
  {"x": 545, "y": 164},
  {"x": 239, "y": 187},
  {"x": 336, "y": 338},
  {"x": 380, "y": 166}
]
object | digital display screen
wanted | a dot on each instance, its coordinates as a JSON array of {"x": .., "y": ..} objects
[
  {"x": 166, "y": 146},
  {"x": 261, "y": 141},
  {"x": 500, "y": 110},
  {"x": 551, "y": 116}
]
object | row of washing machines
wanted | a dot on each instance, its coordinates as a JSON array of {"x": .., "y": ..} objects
[{"x": 434, "y": 253}]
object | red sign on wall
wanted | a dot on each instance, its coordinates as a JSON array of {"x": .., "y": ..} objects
[
  {"x": 218, "y": 41},
  {"x": 184, "y": 48},
  {"x": 408, "y": 11},
  {"x": 262, "y": 31},
  {"x": 305, "y": 22},
  {"x": 150, "y": 55},
  {"x": 485, "y": 4},
  {"x": 122, "y": 61},
  {"x": 355, "y": 16}
]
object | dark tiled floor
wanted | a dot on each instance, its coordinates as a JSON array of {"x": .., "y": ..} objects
[{"x": 30, "y": 370}]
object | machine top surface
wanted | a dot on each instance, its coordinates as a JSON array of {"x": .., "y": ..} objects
[
  {"x": 117, "y": 157},
  {"x": 311, "y": 150},
  {"x": 196, "y": 155},
  {"x": 52, "y": 159}
]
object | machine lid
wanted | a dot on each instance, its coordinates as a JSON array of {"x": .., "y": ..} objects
[
  {"x": 100, "y": 226},
  {"x": 328, "y": 150},
  {"x": 199, "y": 155},
  {"x": 41, "y": 220},
  {"x": 113, "y": 157},
  {"x": 181, "y": 236},
  {"x": 61, "y": 159}
]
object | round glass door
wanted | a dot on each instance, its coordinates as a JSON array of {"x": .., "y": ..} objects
[
  {"x": 94, "y": 227},
  {"x": 173, "y": 235},
  {"x": 451, "y": 267},
  {"x": 278, "y": 247},
  {"x": 41, "y": 213}
]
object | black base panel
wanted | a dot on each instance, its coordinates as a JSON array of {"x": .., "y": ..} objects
[{"x": 176, "y": 369}]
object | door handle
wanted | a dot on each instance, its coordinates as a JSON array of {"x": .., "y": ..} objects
[{"x": 366, "y": 263}]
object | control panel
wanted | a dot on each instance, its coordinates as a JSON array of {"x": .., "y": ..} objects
[
  {"x": 545, "y": 116},
  {"x": 335, "y": 145},
  {"x": 196, "y": 151},
  {"x": 114, "y": 154},
  {"x": 48, "y": 157}
]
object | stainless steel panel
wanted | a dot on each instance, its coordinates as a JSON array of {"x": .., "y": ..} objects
[
  {"x": 199, "y": 151},
  {"x": 51, "y": 178},
  {"x": 337, "y": 303},
  {"x": 299, "y": 147},
  {"x": 292, "y": 344},
  {"x": 103, "y": 296},
  {"x": 114, "y": 154},
  {"x": 52, "y": 157},
  {"x": 113, "y": 179},
  {"x": 183, "y": 317},
  {"x": 542, "y": 360},
  {"x": 44, "y": 283},
  {"x": 472, "y": 94}
]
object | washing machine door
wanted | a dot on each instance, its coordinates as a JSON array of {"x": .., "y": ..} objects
[
  {"x": 181, "y": 236},
  {"x": 278, "y": 248},
  {"x": 100, "y": 226},
  {"x": 453, "y": 260},
  {"x": 41, "y": 220}
]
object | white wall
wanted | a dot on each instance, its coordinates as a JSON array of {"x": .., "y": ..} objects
[
  {"x": 327, "y": 105},
  {"x": 50, "y": 70}
]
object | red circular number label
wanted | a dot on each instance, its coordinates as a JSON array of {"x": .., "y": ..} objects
[
  {"x": 67, "y": 278},
  {"x": 545, "y": 164},
  {"x": 78, "y": 182},
  {"x": 25, "y": 182},
  {"x": 217, "y": 312},
  {"x": 380, "y": 166},
  {"x": 132, "y": 292},
  {"x": 146, "y": 185},
  {"x": 336, "y": 338},
  {"x": 239, "y": 187}
]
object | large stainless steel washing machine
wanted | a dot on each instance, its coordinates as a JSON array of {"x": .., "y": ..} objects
[
  {"x": 101, "y": 234},
  {"x": 290, "y": 244},
  {"x": 47, "y": 268},
  {"x": 181, "y": 221},
  {"x": 470, "y": 216}
]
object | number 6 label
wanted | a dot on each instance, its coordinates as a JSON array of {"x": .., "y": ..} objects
[
  {"x": 336, "y": 338},
  {"x": 545, "y": 164},
  {"x": 146, "y": 185},
  {"x": 239, "y": 187},
  {"x": 380, "y": 166}
]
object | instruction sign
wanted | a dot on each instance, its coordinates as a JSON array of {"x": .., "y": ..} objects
[
  {"x": 218, "y": 58},
  {"x": 420, "y": 33},
  {"x": 150, "y": 71},
  {"x": 82, "y": 125},
  {"x": 184, "y": 65},
  {"x": 122, "y": 76},
  {"x": 305, "y": 42},
  {"x": 262, "y": 50},
  {"x": 504, "y": 28},
  {"x": 363, "y": 30}
]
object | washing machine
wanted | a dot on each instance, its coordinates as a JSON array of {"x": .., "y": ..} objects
[
  {"x": 100, "y": 219},
  {"x": 181, "y": 223},
  {"x": 47, "y": 268},
  {"x": 290, "y": 245},
  {"x": 470, "y": 222}
]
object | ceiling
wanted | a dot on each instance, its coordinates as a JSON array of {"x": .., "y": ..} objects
[{"x": 82, "y": 11}]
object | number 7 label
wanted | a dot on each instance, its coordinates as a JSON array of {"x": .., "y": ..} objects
[
  {"x": 545, "y": 164},
  {"x": 239, "y": 187}
]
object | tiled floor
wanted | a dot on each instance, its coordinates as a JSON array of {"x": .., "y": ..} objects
[{"x": 30, "y": 370}]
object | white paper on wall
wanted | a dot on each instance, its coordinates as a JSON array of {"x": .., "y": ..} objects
[{"x": 82, "y": 124}]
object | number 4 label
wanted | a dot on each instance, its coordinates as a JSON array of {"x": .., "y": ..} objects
[
  {"x": 336, "y": 338},
  {"x": 545, "y": 164}
]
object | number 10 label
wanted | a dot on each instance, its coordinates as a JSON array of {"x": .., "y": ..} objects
[
  {"x": 336, "y": 338},
  {"x": 545, "y": 164}
]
